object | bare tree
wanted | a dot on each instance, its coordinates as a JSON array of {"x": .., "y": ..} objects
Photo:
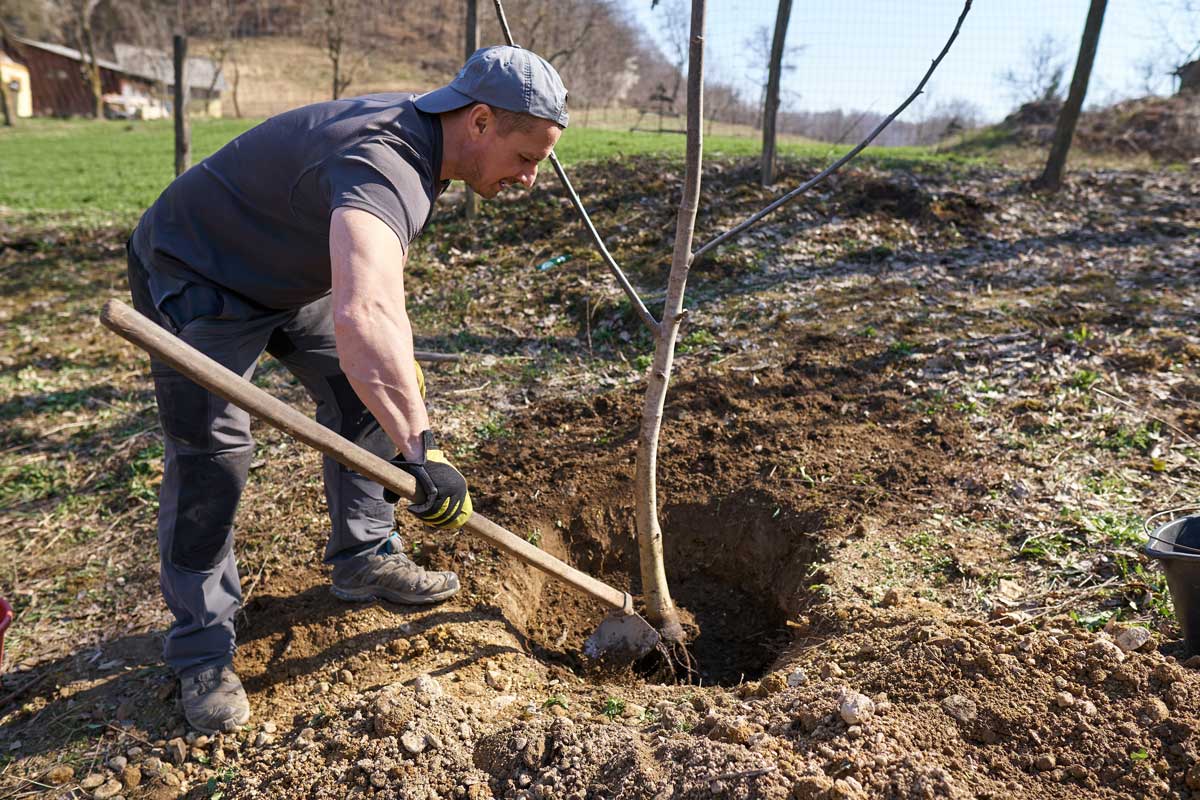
[
  {"x": 81, "y": 14},
  {"x": 1040, "y": 78},
  {"x": 344, "y": 28},
  {"x": 217, "y": 20},
  {"x": 771, "y": 98},
  {"x": 1051, "y": 177}
]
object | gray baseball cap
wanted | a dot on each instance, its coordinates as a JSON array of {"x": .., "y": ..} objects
[{"x": 505, "y": 77}]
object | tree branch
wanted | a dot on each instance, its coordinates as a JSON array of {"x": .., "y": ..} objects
[
  {"x": 638, "y": 306},
  {"x": 841, "y": 162}
]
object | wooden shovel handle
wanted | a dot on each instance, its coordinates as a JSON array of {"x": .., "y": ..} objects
[{"x": 129, "y": 324}]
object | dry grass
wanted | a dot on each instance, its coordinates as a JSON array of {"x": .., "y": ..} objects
[{"x": 278, "y": 73}]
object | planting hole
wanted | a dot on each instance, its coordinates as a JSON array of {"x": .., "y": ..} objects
[{"x": 739, "y": 568}]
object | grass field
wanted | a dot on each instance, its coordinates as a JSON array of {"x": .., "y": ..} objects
[{"x": 88, "y": 172}]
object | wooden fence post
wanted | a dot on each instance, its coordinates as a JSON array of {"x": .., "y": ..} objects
[{"x": 183, "y": 133}]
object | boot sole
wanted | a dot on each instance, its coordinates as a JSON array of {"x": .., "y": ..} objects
[
  {"x": 232, "y": 725},
  {"x": 371, "y": 593}
]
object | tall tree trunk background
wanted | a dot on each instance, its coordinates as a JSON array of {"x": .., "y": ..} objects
[
  {"x": 87, "y": 45},
  {"x": 1052, "y": 176},
  {"x": 771, "y": 104},
  {"x": 183, "y": 133}
]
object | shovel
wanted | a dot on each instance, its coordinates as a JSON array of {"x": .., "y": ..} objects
[{"x": 623, "y": 637}]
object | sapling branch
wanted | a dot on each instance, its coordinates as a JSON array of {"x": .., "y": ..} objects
[{"x": 638, "y": 306}]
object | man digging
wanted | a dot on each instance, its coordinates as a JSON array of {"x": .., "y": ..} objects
[{"x": 292, "y": 240}]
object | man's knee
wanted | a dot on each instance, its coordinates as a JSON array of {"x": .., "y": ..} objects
[
  {"x": 185, "y": 410},
  {"x": 209, "y": 488}
]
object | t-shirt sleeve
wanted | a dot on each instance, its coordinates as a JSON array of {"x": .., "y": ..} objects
[{"x": 376, "y": 178}]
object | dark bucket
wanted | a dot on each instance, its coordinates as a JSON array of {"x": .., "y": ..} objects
[
  {"x": 6, "y": 617},
  {"x": 1177, "y": 546}
]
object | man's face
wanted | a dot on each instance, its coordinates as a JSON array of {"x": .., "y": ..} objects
[{"x": 503, "y": 160}]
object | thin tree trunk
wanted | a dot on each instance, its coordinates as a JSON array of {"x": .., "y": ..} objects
[
  {"x": 93, "y": 71},
  {"x": 183, "y": 134},
  {"x": 771, "y": 106},
  {"x": 1068, "y": 118},
  {"x": 237, "y": 76},
  {"x": 660, "y": 608},
  {"x": 8, "y": 116},
  {"x": 472, "y": 44}
]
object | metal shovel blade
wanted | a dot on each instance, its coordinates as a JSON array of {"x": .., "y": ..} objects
[{"x": 621, "y": 636}]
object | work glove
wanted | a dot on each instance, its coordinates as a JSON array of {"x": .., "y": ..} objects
[
  {"x": 420, "y": 377},
  {"x": 443, "y": 501}
]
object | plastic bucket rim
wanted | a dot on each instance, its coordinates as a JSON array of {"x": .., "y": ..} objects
[{"x": 1158, "y": 537}]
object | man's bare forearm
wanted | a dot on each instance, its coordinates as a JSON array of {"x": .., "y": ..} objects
[{"x": 374, "y": 337}]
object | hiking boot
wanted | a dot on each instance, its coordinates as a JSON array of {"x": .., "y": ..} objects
[
  {"x": 214, "y": 700},
  {"x": 390, "y": 575}
]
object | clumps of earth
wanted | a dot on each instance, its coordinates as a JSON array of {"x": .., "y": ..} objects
[
  {"x": 1166, "y": 128},
  {"x": 871, "y": 702}
]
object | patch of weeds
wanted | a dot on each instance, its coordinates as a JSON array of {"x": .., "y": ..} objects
[
  {"x": 920, "y": 542},
  {"x": 493, "y": 428},
  {"x": 1121, "y": 530},
  {"x": 869, "y": 332},
  {"x": 1048, "y": 546},
  {"x": 643, "y": 362},
  {"x": 902, "y": 347},
  {"x": 1093, "y": 622},
  {"x": 932, "y": 405},
  {"x": 1080, "y": 334},
  {"x": 216, "y": 785},
  {"x": 29, "y": 483},
  {"x": 146, "y": 473},
  {"x": 613, "y": 707},
  {"x": 1125, "y": 439},
  {"x": 1085, "y": 379},
  {"x": 696, "y": 339},
  {"x": 555, "y": 700},
  {"x": 534, "y": 538},
  {"x": 1106, "y": 484}
]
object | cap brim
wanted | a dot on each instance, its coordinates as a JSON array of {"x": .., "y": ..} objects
[{"x": 441, "y": 100}]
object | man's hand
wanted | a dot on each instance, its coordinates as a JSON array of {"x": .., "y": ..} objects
[{"x": 443, "y": 500}]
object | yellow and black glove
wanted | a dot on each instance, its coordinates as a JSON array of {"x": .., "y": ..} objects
[{"x": 443, "y": 501}]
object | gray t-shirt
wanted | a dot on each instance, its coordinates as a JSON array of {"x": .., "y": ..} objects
[{"x": 253, "y": 217}]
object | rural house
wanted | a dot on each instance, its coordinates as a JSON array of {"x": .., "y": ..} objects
[{"x": 139, "y": 88}]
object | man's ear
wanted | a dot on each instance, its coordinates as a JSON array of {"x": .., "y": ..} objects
[{"x": 479, "y": 119}]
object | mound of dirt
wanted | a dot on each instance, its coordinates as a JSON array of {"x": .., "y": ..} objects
[{"x": 1164, "y": 128}]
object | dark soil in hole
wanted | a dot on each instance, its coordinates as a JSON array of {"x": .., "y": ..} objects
[{"x": 736, "y": 567}]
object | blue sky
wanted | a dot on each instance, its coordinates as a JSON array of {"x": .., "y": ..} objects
[{"x": 869, "y": 54}]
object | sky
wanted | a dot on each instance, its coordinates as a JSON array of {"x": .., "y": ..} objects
[{"x": 870, "y": 54}]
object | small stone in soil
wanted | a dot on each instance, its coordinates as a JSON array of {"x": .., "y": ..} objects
[
  {"x": 108, "y": 790},
  {"x": 60, "y": 774},
  {"x": 855, "y": 708}
]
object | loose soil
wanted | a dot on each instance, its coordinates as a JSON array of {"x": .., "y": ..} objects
[{"x": 916, "y": 423}]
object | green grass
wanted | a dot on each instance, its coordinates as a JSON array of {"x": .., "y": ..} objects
[{"x": 92, "y": 172}]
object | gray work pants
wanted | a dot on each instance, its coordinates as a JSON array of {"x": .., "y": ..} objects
[{"x": 208, "y": 449}]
